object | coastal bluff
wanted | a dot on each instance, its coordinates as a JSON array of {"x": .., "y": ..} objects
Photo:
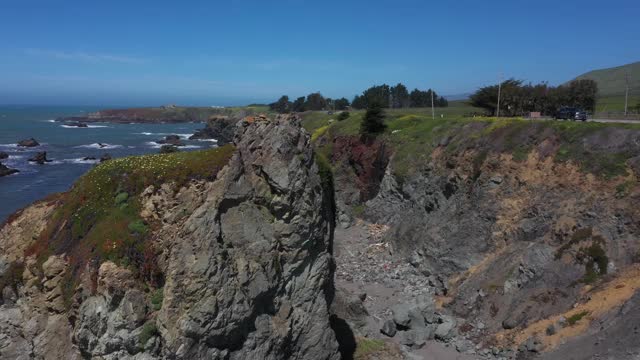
[{"x": 217, "y": 254}]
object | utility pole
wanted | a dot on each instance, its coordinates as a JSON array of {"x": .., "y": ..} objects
[
  {"x": 433, "y": 110},
  {"x": 499, "y": 89},
  {"x": 626, "y": 93}
]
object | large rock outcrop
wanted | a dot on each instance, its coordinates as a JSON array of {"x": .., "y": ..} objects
[
  {"x": 244, "y": 262},
  {"x": 220, "y": 128}
]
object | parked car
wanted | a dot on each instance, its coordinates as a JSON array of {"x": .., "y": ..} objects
[{"x": 570, "y": 113}]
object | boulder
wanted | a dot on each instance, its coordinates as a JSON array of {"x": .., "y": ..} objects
[
  {"x": 350, "y": 308},
  {"x": 446, "y": 329},
  {"x": 167, "y": 149},
  {"x": 40, "y": 158},
  {"x": 413, "y": 315},
  {"x": 28, "y": 143},
  {"x": 77, "y": 124},
  {"x": 171, "y": 140},
  {"x": 389, "y": 328},
  {"x": 532, "y": 344},
  {"x": 4, "y": 170},
  {"x": 3, "y": 155},
  {"x": 88, "y": 158},
  {"x": 416, "y": 338},
  {"x": 105, "y": 157},
  {"x": 400, "y": 313},
  {"x": 551, "y": 330}
]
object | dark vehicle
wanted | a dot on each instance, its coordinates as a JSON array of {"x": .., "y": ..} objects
[{"x": 570, "y": 113}]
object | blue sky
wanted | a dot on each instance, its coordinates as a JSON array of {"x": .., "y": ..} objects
[{"x": 239, "y": 51}]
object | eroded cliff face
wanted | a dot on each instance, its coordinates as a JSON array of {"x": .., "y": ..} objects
[
  {"x": 243, "y": 268},
  {"x": 514, "y": 244}
]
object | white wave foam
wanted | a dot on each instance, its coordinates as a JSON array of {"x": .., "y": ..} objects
[
  {"x": 9, "y": 145},
  {"x": 51, "y": 162},
  {"x": 79, "y": 127},
  {"x": 81, "y": 161},
  {"x": 49, "y": 121},
  {"x": 155, "y": 145},
  {"x": 207, "y": 140},
  {"x": 182, "y": 136},
  {"x": 100, "y": 146}
]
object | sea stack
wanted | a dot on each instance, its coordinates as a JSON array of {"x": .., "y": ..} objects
[{"x": 31, "y": 142}]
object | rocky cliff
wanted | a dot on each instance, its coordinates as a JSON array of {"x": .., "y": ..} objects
[
  {"x": 524, "y": 233},
  {"x": 220, "y": 254}
]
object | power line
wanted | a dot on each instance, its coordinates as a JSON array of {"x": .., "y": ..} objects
[
  {"x": 433, "y": 111},
  {"x": 499, "y": 88},
  {"x": 626, "y": 93}
]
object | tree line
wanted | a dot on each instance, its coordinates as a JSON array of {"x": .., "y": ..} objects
[
  {"x": 518, "y": 99},
  {"x": 384, "y": 96},
  {"x": 313, "y": 101},
  {"x": 397, "y": 97}
]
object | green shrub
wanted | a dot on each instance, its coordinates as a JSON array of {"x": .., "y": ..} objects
[
  {"x": 149, "y": 330},
  {"x": 156, "y": 299},
  {"x": 573, "y": 319},
  {"x": 594, "y": 256},
  {"x": 343, "y": 116},
  {"x": 121, "y": 198},
  {"x": 138, "y": 226}
]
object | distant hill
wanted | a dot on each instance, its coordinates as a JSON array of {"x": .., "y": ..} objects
[
  {"x": 611, "y": 81},
  {"x": 611, "y": 86}
]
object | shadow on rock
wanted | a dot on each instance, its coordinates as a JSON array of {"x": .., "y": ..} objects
[{"x": 345, "y": 337}]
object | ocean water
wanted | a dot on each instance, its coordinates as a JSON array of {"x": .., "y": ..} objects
[{"x": 67, "y": 146}]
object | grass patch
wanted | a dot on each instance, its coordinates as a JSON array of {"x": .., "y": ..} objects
[
  {"x": 575, "y": 318},
  {"x": 601, "y": 163},
  {"x": 358, "y": 210},
  {"x": 156, "y": 299},
  {"x": 319, "y": 132},
  {"x": 365, "y": 348},
  {"x": 96, "y": 221},
  {"x": 149, "y": 330}
]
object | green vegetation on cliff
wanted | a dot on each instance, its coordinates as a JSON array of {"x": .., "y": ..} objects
[
  {"x": 413, "y": 134},
  {"x": 99, "y": 218}
]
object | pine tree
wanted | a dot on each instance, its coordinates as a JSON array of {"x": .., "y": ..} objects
[{"x": 373, "y": 120}]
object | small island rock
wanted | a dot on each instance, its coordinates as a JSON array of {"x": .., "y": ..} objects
[
  {"x": 40, "y": 158},
  {"x": 28, "y": 143}
]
